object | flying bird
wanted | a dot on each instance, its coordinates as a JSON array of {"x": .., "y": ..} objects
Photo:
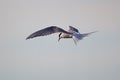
[{"x": 71, "y": 33}]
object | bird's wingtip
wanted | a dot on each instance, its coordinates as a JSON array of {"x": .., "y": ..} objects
[
  {"x": 95, "y": 31},
  {"x": 29, "y": 37}
]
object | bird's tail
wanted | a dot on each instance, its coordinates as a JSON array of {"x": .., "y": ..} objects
[{"x": 76, "y": 37}]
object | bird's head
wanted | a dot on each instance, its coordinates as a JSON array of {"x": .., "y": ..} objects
[{"x": 59, "y": 37}]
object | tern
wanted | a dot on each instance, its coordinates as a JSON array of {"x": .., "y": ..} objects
[{"x": 71, "y": 33}]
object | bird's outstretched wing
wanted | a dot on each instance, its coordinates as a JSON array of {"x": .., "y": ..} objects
[
  {"x": 78, "y": 36},
  {"x": 87, "y": 34},
  {"x": 47, "y": 31},
  {"x": 72, "y": 29}
]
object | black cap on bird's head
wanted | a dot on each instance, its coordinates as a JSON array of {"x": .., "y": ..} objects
[{"x": 59, "y": 36}]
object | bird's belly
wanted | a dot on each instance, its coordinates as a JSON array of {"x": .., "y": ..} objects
[{"x": 66, "y": 36}]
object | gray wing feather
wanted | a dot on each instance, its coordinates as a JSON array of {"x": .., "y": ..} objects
[
  {"x": 72, "y": 29},
  {"x": 87, "y": 34},
  {"x": 47, "y": 31}
]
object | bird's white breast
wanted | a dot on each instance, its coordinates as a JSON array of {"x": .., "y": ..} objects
[{"x": 63, "y": 35}]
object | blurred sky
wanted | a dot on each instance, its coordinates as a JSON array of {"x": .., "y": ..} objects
[{"x": 96, "y": 57}]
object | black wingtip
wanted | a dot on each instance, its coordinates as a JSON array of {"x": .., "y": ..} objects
[{"x": 28, "y": 37}]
